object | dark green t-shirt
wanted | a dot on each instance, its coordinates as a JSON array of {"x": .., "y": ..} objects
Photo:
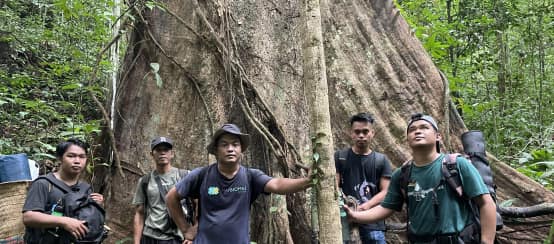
[{"x": 454, "y": 214}]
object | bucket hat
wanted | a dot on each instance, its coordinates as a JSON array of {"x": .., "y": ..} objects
[{"x": 229, "y": 129}]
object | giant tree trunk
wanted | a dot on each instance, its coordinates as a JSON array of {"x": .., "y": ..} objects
[{"x": 241, "y": 61}]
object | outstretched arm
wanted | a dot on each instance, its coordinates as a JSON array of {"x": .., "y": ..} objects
[
  {"x": 173, "y": 202},
  {"x": 369, "y": 216},
  {"x": 487, "y": 211},
  {"x": 287, "y": 185}
]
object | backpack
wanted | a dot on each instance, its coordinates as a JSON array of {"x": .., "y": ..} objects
[
  {"x": 474, "y": 150},
  {"x": 77, "y": 204},
  {"x": 187, "y": 203}
]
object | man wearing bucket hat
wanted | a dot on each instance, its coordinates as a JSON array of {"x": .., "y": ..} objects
[
  {"x": 435, "y": 212},
  {"x": 151, "y": 223},
  {"x": 225, "y": 190},
  {"x": 42, "y": 218}
]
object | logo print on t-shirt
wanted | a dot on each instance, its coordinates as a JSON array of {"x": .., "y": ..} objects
[
  {"x": 418, "y": 193},
  {"x": 364, "y": 191},
  {"x": 213, "y": 190}
]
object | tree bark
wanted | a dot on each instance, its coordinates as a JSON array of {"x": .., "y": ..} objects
[{"x": 241, "y": 62}]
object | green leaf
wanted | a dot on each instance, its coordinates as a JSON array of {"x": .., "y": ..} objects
[
  {"x": 124, "y": 240},
  {"x": 72, "y": 86},
  {"x": 159, "y": 81},
  {"x": 541, "y": 154},
  {"x": 46, "y": 146},
  {"x": 89, "y": 168},
  {"x": 548, "y": 164},
  {"x": 272, "y": 209},
  {"x": 155, "y": 67},
  {"x": 547, "y": 174},
  {"x": 150, "y": 5},
  {"x": 507, "y": 203},
  {"x": 316, "y": 157},
  {"x": 44, "y": 155}
]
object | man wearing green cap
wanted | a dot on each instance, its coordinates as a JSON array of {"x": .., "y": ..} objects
[
  {"x": 435, "y": 213},
  {"x": 225, "y": 191}
]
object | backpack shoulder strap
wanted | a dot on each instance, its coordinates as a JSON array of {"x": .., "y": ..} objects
[
  {"x": 343, "y": 155},
  {"x": 378, "y": 160},
  {"x": 405, "y": 172},
  {"x": 144, "y": 186},
  {"x": 198, "y": 182},
  {"x": 450, "y": 173},
  {"x": 161, "y": 189},
  {"x": 249, "y": 173},
  {"x": 57, "y": 183}
]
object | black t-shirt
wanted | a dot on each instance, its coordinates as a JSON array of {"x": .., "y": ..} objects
[
  {"x": 357, "y": 180},
  {"x": 42, "y": 195}
]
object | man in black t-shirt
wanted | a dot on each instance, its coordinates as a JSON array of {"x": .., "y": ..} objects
[
  {"x": 43, "y": 220},
  {"x": 364, "y": 174}
]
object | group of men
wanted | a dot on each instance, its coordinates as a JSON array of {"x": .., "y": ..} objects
[
  {"x": 435, "y": 213},
  {"x": 222, "y": 192}
]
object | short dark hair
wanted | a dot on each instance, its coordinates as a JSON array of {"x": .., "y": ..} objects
[
  {"x": 361, "y": 117},
  {"x": 63, "y": 146}
]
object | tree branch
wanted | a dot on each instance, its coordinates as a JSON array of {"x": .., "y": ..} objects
[
  {"x": 174, "y": 61},
  {"x": 101, "y": 107},
  {"x": 526, "y": 212}
]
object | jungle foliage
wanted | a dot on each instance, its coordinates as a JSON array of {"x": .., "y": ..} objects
[
  {"x": 499, "y": 60},
  {"x": 497, "y": 55},
  {"x": 48, "y": 52}
]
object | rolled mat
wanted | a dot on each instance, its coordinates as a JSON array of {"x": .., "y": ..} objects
[{"x": 12, "y": 197}]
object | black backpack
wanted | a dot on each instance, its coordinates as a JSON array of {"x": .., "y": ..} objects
[
  {"x": 77, "y": 204},
  {"x": 474, "y": 150}
]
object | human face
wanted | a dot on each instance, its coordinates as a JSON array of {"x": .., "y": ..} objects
[
  {"x": 228, "y": 149},
  {"x": 361, "y": 133},
  {"x": 73, "y": 160},
  {"x": 162, "y": 154},
  {"x": 421, "y": 134}
]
